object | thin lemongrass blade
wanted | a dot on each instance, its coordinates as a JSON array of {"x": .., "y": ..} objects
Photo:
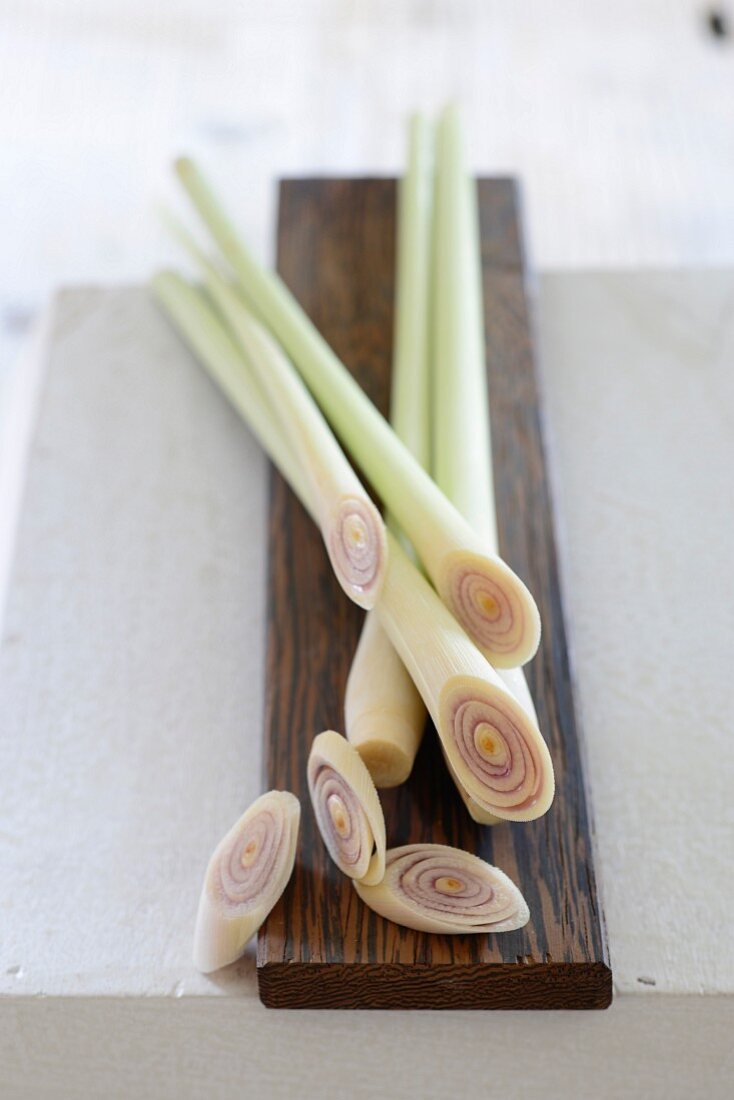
[
  {"x": 461, "y": 439},
  {"x": 347, "y": 808},
  {"x": 246, "y": 876},
  {"x": 493, "y": 745},
  {"x": 495, "y": 750},
  {"x": 490, "y": 601},
  {"x": 198, "y": 324},
  {"x": 384, "y": 714},
  {"x": 434, "y": 888}
]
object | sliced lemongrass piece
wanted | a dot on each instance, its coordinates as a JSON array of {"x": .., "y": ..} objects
[
  {"x": 462, "y": 692},
  {"x": 462, "y": 447},
  {"x": 434, "y": 888},
  {"x": 347, "y": 808},
  {"x": 493, "y": 745},
  {"x": 384, "y": 715},
  {"x": 490, "y": 601},
  {"x": 246, "y": 876},
  {"x": 351, "y": 526}
]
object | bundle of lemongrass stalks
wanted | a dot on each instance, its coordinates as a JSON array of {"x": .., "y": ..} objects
[{"x": 448, "y": 623}]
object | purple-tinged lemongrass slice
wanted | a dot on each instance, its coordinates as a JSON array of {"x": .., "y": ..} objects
[
  {"x": 486, "y": 596},
  {"x": 246, "y": 876},
  {"x": 347, "y": 807},
  {"x": 434, "y": 888}
]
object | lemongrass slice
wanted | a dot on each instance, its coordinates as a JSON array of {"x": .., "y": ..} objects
[
  {"x": 494, "y": 747},
  {"x": 347, "y": 808},
  {"x": 434, "y": 888},
  {"x": 485, "y": 595},
  {"x": 384, "y": 715},
  {"x": 246, "y": 876}
]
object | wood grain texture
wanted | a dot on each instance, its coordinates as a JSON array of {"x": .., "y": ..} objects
[{"x": 321, "y": 947}]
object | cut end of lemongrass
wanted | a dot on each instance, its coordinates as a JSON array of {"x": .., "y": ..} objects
[
  {"x": 246, "y": 876},
  {"x": 347, "y": 808},
  {"x": 357, "y": 546},
  {"x": 384, "y": 714},
  {"x": 496, "y": 750},
  {"x": 493, "y": 605},
  {"x": 433, "y": 888},
  {"x": 388, "y": 764}
]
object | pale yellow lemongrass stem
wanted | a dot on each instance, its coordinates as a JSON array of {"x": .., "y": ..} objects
[
  {"x": 384, "y": 714},
  {"x": 490, "y": 600}
]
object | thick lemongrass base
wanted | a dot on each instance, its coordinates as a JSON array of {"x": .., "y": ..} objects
[
  {"x": 496, "y": 752},
  {"x": 493, "y": 605}
]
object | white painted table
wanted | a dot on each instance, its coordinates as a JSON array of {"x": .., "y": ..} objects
[{"x": 131, "y": 695}]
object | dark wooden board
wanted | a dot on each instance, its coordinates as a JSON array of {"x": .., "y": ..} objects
[{"x": 321, "y": 947}]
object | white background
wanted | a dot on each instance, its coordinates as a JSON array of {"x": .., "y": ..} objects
[{"x": 618, "y": 116}]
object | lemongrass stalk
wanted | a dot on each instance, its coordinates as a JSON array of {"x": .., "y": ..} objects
[
  {"x": 434, "y": 888},
  {"x": 347, "y": 808},
  {"x": 493, "y": 746},
  {"x": 351, "y": 526},
  {"x": 461, "y": 440},
  {"x": 490, "y": 601},
  {"x": 384, "y": 714},
  {"x": 196, "y": 321},
  {"x": 495, "y": 750},
  {"x": 246, "y": 876}
]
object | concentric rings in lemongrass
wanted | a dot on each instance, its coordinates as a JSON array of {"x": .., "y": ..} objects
[
  {"x": 246, "y": 875},
  {"x": 434, "y": 888},
  {"x": 347, "y": 807},
  {"x": 493, "y": 605},
  {"x": 495, "y": 749},
  {"x": 356, "y": 541}
]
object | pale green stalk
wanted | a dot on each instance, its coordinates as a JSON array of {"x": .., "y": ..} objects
[
  {"x": 461, "y": 441},
  {"x": 486, "y": 596}
]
